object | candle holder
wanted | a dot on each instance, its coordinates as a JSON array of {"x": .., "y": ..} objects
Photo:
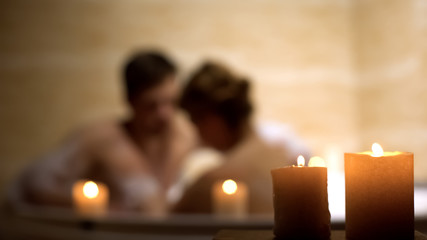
[
  {"x": 230, "y": 199},
  {"x": 90, "y": 199}
]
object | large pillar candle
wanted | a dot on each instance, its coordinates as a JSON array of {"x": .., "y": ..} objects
[
  {"x": 301, "y": 202},
  {"x": 230, "y": 199},
  {"x": 379, "y": 195},
  {"x": 90, "y": 198}
]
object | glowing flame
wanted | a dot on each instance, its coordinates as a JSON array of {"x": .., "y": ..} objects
[
  {"x": 316, "y": 162},
  {"x": 90, "y": 189},
  {"x": 301, "y": 161},
  {"x": 377, "y": 150},
  {"x": 229, "y": 186}
]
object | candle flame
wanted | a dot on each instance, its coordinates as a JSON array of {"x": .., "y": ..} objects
[
  {"x": 229, "y": 186},
  {"x": 90, "y": 189},
  {"x": 377, "y": 150},
  {"x": 316, "y": 162},
  {"x": 300, "y": 161}
]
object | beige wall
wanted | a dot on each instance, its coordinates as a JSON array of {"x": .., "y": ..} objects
[
  {"x": 392, "y": 64},
  {"x": 60, "y": 63}
]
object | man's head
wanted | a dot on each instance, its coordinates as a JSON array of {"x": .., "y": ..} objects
[{"x": 151, "y": 89}]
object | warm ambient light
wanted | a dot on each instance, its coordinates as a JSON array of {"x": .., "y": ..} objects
[
  {"x": 377, "y": 150},
  {"x": 90, "y": 190},
  {"x": 300, "y": 161},
  {"x": 229, "y": 186},
  {"x": 316, "y": 162}
]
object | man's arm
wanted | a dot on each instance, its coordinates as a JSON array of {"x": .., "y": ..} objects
[{"x": 49, "y": 180}]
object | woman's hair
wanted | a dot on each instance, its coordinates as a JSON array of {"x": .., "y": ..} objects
[{"x": 214, "y": 89}]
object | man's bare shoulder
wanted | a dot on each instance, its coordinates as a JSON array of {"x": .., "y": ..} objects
[{"x": 99, "y": 131}]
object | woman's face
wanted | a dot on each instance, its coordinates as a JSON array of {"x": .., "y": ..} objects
[{"x": 213, "y": 131}]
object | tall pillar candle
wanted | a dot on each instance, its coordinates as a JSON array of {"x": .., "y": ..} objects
[
  {"x": 300, "y": 200},
  {"x": 379, "y": 195}
]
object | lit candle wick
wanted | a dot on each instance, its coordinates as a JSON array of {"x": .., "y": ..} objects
[
  {"x": 377, "y": 150},
  {"x": 301, "y": 161},
  {"x": 316, "y": 162},
  {"x": 90, "y": 190},
  {"x": 229, "y": 186}
]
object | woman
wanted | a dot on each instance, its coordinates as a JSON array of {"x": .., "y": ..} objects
[{"x": 219, "y": 105}]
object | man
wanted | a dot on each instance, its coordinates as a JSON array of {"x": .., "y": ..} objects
[{"x": 138, "y": 159}]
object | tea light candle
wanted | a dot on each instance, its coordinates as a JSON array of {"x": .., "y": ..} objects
[
  {"x": 300, "y": 199},
  {"x": 230, "y": 199},
  {"x": 90, "y": 198},
  {"x": 379, "y": 194}
]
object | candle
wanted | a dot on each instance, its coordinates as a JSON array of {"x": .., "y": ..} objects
[
  {"x": 90, "y": 198},
  {"x": 300, "y": 200},
  {"x": 379, "y": 194},
  {"x": 230, "y": 199}
]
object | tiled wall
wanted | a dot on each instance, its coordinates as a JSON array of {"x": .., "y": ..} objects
[
  {"x": 392, "y": 67},
  {"x": 318, "y": 65}
]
